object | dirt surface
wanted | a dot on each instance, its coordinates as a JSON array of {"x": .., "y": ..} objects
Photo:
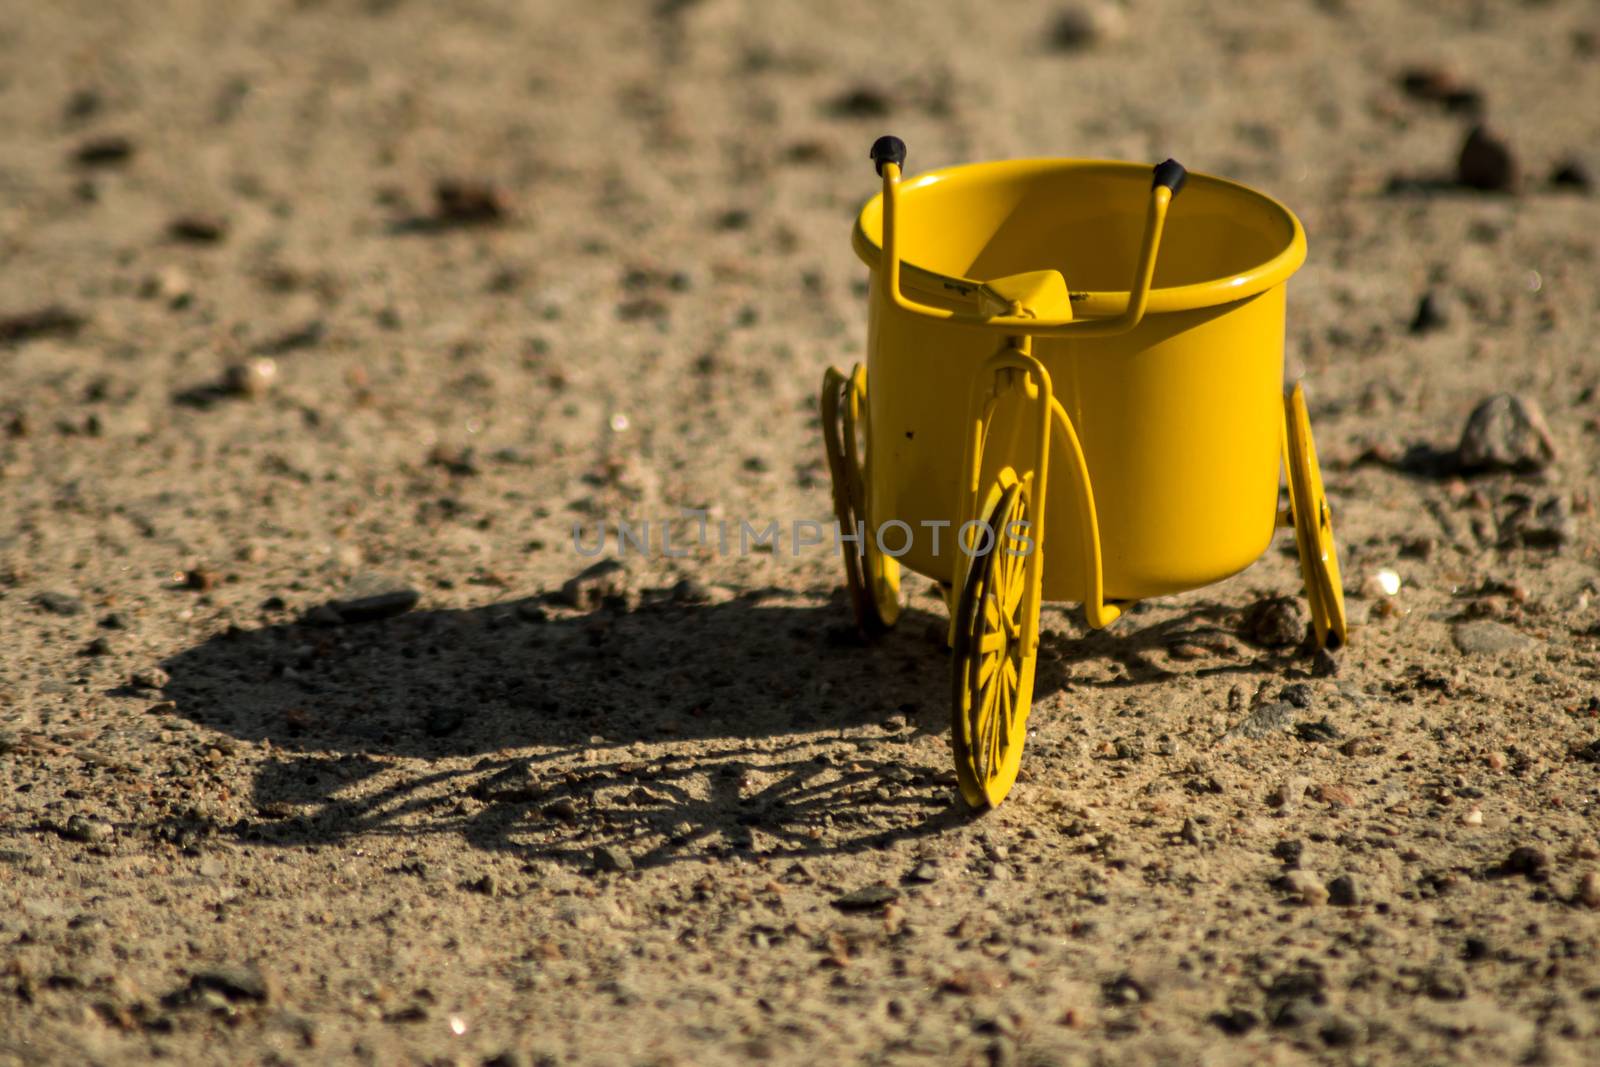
[{"x": 363, "y": 303}]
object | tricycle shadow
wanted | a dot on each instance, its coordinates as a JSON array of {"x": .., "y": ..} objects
[
  {"x": 770, "y": 729},
  {"x": 757, "y": 726}
]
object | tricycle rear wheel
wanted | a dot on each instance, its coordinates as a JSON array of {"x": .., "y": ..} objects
[
  {"x": 872, "y": 578},
  {"x": 1313, "y": 526}
]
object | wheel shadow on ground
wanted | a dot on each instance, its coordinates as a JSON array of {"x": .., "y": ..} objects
[{"x": 759, "y": 725}]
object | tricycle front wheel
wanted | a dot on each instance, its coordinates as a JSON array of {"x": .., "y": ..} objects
[
  {"x": 872, "y": 577},
  {"x": 992, "y": 665}
]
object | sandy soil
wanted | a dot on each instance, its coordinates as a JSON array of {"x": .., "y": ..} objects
[{"x": 236, "y": 827}]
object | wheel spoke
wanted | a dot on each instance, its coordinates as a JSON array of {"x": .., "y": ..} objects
[
  {"x": 993, "y": 747},
  {"x": 1013, "y": 598},
  {"x": 987, "y": 667},
  {"x": 984, "y": 727},
  {"x": 991, "y": 641},
  {"x": 1014, "y": 557}
]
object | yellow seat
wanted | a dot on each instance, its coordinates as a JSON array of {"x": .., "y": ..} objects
[{"x": 1035, "y": 294}]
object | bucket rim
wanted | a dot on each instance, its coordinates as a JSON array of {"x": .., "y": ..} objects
[{"x": 1209, "y": 293}]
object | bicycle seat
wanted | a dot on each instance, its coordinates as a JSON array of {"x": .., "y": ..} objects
[{"x": 1039, "y": 294}]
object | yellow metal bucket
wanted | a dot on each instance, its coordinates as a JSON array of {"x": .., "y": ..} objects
[{"x": 1179, "y": 419}]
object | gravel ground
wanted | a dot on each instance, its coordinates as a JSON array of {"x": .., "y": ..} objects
[{"x": 322, "y": 322}]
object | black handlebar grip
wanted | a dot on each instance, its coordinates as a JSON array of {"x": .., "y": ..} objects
[
  {"x": 888, "y": 149},
  {"x": 1171, "y": 174}
]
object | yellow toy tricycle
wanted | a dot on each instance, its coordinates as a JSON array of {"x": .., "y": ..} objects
[{"x": 1161, "y": 404}]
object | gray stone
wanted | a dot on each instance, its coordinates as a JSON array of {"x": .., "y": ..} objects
[
  {"x": 89, "y": 831},
  {"x": 1081, "y": 26},
  {"x": 1506, "y": 432},
  {"x": 867, "y": 898},
  {"x": 370, "y": 597},
  {"x": 611, "y": 858},
  {"x": 590, "y": 587},
  {"x": 1485, "y": 637},
  {"x": 1306, "y": 887},
  {"x": 1264, "y": 721},
  {"x": 1276, "y": 622},
  {"x": 1344, "y": 892},
  {"x": 233, "y": 983},
  {"x": 1486, "y": 163},
  {"x": 1431, "y": 314},
  {"x": 149, "y": 678},
  {"x": 58, "y": 603}
]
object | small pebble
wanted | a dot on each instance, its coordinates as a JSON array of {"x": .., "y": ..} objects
[
  {"x": 562, "y": 808},
  {"x": 1275, "y": 622},
  {"x": 862, "y": 102},
  {"x": 104, "y": 151},
  {"x": 1436, "y": 86},
  {"x": 1571, "y": 175},
  {"x": 58, "y": 603},
  {"x": 198, "y": 229},
  {"x": 1289, "y": 793},
  {"x": 1266, "y": 721},
  {"x": 1324, "y": 664},
  {"x": 1085, "y": 25},
  {"x": 253, "y": 378},
  {"x": 1485, "y": 637},
  {"x": 52, "y": 320},
  {"x": 611, "y": 858},
  {"x": 1235, "y": 1022},
  {"x": 169, "y": 285},
  {"x": 1335, "y": 796},
  {"x": 85, "y": 830},
  {"x": 200, "y": 579},
  {"x": 1381, "y": 583},
  {"x": 1316, "y": 732},
  {"x": 1343, "y": 892},
  {"x": 1588, "y": 891},
  {"x": 1486, "y": 163},
  {"x": 1296, "y": 693},
  {"x": 371, "y": 597},
  {"x": 233, "y": 982},
  {"x": 1430, "y": 314},
  {"x": 1530, "y": 862},
  {"x": 468, "y": 202},
  {"x": 868, "y": 898},
  {"x": 1506, "y": 432},
  {"x": 149, "y": 678},
  {"x": 1307, "y": 887}
]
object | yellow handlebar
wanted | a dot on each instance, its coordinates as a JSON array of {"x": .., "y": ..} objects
[{"x": 889, "y": 153}]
